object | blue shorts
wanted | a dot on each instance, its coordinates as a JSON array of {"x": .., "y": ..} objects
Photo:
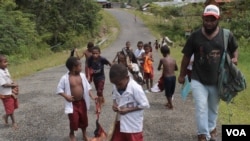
[{"x": 169, "y": 85}]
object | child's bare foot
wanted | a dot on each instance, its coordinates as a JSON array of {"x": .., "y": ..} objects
[
  {"x": 169, "y": 106},
  {"x": 5, "y": 119},
  {"x": 72, "y": 137},
  {"x": 98, "y": 111},
  {"x": 14, "y": 126}
]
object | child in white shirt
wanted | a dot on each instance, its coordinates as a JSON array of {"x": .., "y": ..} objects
[
  {"x": 129, "y": 101},
  {"x": 8, "y": 92}
]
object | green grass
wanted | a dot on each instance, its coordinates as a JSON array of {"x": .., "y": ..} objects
[
  {"x": 240, "y": 107},
  {"x": 25, "y": 69},
  {"x": 233, "y": 113},
  {"x": 56, "y": 59}
]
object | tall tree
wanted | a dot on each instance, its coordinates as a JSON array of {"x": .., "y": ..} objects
[
  {"x": 57, "y": 21},
  {"x": 16, "y": 29}
]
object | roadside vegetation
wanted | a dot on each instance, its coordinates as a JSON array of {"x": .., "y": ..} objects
[
  {"x": 109, "y": 23},
  {"x": 38, "y": 34},
  {"x": 174, "y": 22}
]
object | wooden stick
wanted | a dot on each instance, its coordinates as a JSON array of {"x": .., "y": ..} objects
[{"x": 112, "y": 129}]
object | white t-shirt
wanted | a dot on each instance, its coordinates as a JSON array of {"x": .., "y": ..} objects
[
  {"x": 138, "y": 53},
  {"x": 133, "y": 96},
  {"x": 5, "y": 78},
  {"x": 64, "y": 87}
]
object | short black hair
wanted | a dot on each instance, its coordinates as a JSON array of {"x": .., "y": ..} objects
[
  {"x": 139, "y": 42},
  {"x": 146, "y": 45},
  {"x": 71, "y": 62},
  {"x": 90, "y": 45},
  {"x": 96, "y": 48},
  {"x": 165, "y": 50},
  {"x": 118, "y": 71}
]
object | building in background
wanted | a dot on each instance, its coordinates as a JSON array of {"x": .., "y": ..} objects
[{"x": 104, "y": 3}]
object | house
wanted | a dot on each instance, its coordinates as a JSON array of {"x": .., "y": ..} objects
[
  {"x": 104, "y": 3},
  {"x": 177, "y": 3},
  {"x": 217, "y": 2}
]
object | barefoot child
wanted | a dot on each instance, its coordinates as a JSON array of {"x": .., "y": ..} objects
[
  {"x": 169, "y": 68},
  {"x": 129, "y": 101},
  {"x": 148, "y": 70},
  {"x": 156, "y": 45},
  {"x": 75, "y": 89},
  {"x": 87, "y": 53},
  {"x": 8, "y": 92},
  {"x": 96, "y": 63}
]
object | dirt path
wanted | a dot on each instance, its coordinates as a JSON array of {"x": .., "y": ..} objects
[{"x": 41, "y": 114}]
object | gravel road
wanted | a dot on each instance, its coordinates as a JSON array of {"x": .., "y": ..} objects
[{"x": 41, "y": 112}]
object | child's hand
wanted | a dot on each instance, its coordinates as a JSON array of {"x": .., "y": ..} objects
[
  {"x": 15, "y": 90},
  {"x": 69, "y": 98},
  {"x": 115, "y": 108},
  {"x": 94, "y": 97},
  {"x": 123, "y": 111}
]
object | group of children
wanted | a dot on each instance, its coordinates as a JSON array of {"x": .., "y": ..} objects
[{"x": 129, "y": 98}]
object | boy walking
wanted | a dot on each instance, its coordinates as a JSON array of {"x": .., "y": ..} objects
[
  {"x": 75, "y": 89},
  {"x": 169, "y": 68},
  {"x": 129, "y": 102},
  {"x": 96, "y": 63},
  {"x": 8, "y": 92},
  {"x": 87, "y": 53},
  {"x": 157, "y": 45}
]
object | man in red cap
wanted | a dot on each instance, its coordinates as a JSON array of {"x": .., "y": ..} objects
[{"x": 206, "y": 43}]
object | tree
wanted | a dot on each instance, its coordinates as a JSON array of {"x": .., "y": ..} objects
[
  {"x": 17, "y": 31},
  {"x": 57, "y": 21}
]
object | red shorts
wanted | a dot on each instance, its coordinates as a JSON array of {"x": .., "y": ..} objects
[
  {"x": 99, "y": 86},
  {"x": 119, "y": 136},
  {"x": 10, "y": 104},
  {"x": 89, "y": 72},
  {"x": 148, "y": 75},
  {"x": 79, "y": 118}
]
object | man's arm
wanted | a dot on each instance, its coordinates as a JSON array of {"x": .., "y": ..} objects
[
  {"x": 235, "y": 57},
  {"x": 184, "y": 63}
]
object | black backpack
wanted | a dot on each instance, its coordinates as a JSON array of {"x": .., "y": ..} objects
[{"x": 231, "y": 81}]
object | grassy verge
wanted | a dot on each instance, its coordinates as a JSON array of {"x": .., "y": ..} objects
[
  {"x": 233, "y": 113},
  {"x": 25, "y": 69},
  {"x": 238, "y": 111},
  {"x": 56, "y": 59}
]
